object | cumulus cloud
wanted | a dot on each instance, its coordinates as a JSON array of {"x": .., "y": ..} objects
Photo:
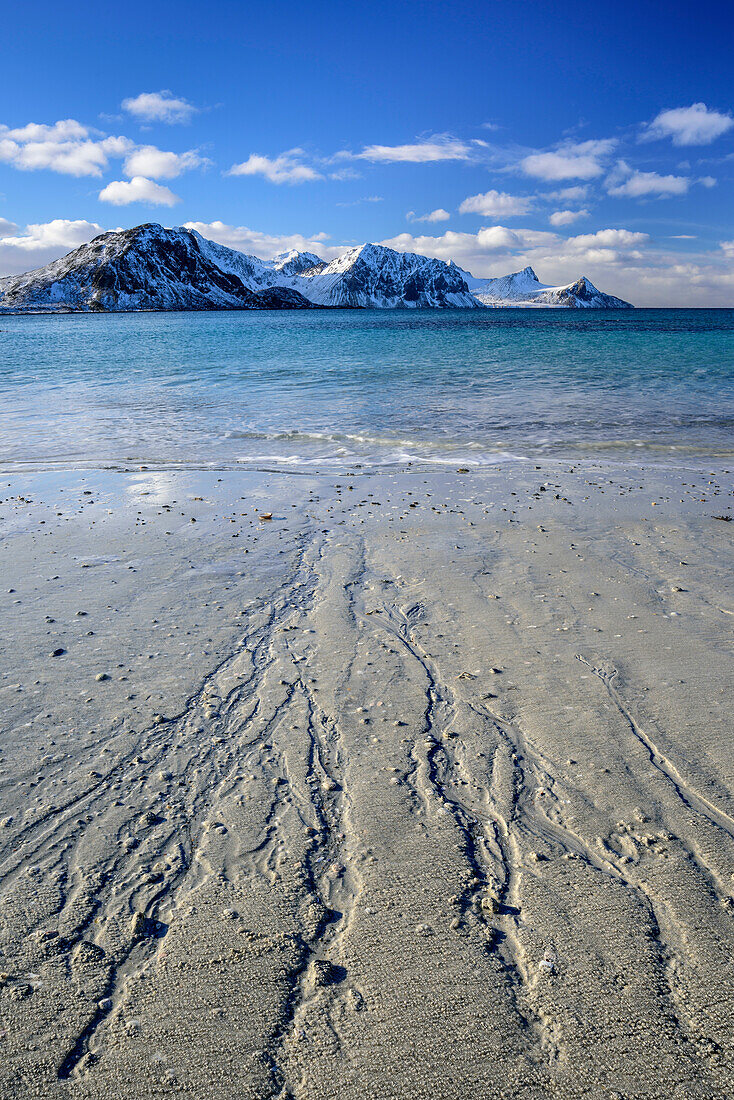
[
  {"x": 582, "y": 160},
  {"x": 66, "y": 147},
  {"x": 40, "y": 243},
  {"x": 158, "y": 164},
  {"x": 608, "y": 238},
  {"x": 437, "y": 148},
  {"x": 728, "y": 249},
  {"x": 567, "y": 217},
  {"x": 694, "y": 125},
  {"x": 568, "y": 194},
  {"x": 159, "y": 107},
  {"x": 439, "y": 215},
  {"x": 289, "y": 167},
  {"x": 701, "y": 282},
  {"x": 626, "y": 182},
  {"x": 495, "y": 204},
  {"x": 138, "y": 189},
  {"x": 464, "y": 248},
  {"x": 66, "y": 129},
  {"x": 69, "y": 148},
  {"x": 265, "y": 245}
]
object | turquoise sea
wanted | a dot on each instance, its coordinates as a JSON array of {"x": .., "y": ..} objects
[{"x": 345, "y": 388}]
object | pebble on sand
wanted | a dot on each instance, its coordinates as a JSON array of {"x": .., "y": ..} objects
[{"x": 489, "y": 903}]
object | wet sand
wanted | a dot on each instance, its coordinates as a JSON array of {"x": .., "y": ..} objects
[{"x": 420, "y": 789}]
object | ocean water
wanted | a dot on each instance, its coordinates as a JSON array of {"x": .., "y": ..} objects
[{"x": 343, "y": 389}]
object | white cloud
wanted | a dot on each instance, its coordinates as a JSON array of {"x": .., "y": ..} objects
[
  {"x": 728, "y": 249},
  {"x": 265, "y": 245},
  {"x": 65, "y": 147},
  {"x": 138, "y": 189},
  {"x": 568, "y": 194},
  {"x": 437, "y": 148},
  {"x": 464, "y": 248},
  {"x": 439, "y": 215},
  {"x": 359, "y": 202},
  {"x": 701, "y": 282},
  {"x": 561, "y": 166},
  {"x": 567, "y": 217},
  {"x": 67, "y": 129},
  {"x": 625, "y": 182},
  {"x": 116, "y": 146},
  {"x": 40, "y": 243},
  {"x": 495, "y": 204},
  {"x": 583, "y": 160},
  {"x": 286, "y": 168},
  {"x": 345, "y": 174},
  {"x": 158, "y": 164},
  {"x": 159, "y": 107},
  {"x": 608, "y": 238},
  {"x": 694, "y": 125},
  {"x": 707, "y": 181}
]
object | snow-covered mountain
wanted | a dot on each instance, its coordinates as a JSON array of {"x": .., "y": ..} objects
[
  {"x": 374, "y": 275},
  {"x": 524, "y": 289},
  {"x": 295, "y": 263},
  {"x": 152, "y": 268}
]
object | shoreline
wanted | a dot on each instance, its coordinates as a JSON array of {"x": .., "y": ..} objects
[{"x": 680, "y": 460}]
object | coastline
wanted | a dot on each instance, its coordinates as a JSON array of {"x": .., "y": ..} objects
[{"x": 420, "y": 788}]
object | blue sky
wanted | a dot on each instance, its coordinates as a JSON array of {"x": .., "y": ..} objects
[{"x": 577, "y": 139}]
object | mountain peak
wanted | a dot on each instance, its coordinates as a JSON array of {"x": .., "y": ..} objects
[
  {"x": 294, "y": 262},
  {"x": 369, "y": 251}
]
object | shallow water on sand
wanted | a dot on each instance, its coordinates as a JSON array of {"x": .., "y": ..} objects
[{"x": 343, "y": 388}]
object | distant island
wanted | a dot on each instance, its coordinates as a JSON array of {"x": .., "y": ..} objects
[{"x": 157, "y": 269}]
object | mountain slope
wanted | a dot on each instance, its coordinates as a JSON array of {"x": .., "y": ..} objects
[
  {"x": 152, "y": 268},
  {"x": 523, "y": 288},
  {"x": 295, "y": 263},
  {"x": 147, "y": 268},
  {"x": 374, "y": 275}
]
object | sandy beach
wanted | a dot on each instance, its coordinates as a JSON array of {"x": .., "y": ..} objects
[{"x": 421, "y": 788}]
